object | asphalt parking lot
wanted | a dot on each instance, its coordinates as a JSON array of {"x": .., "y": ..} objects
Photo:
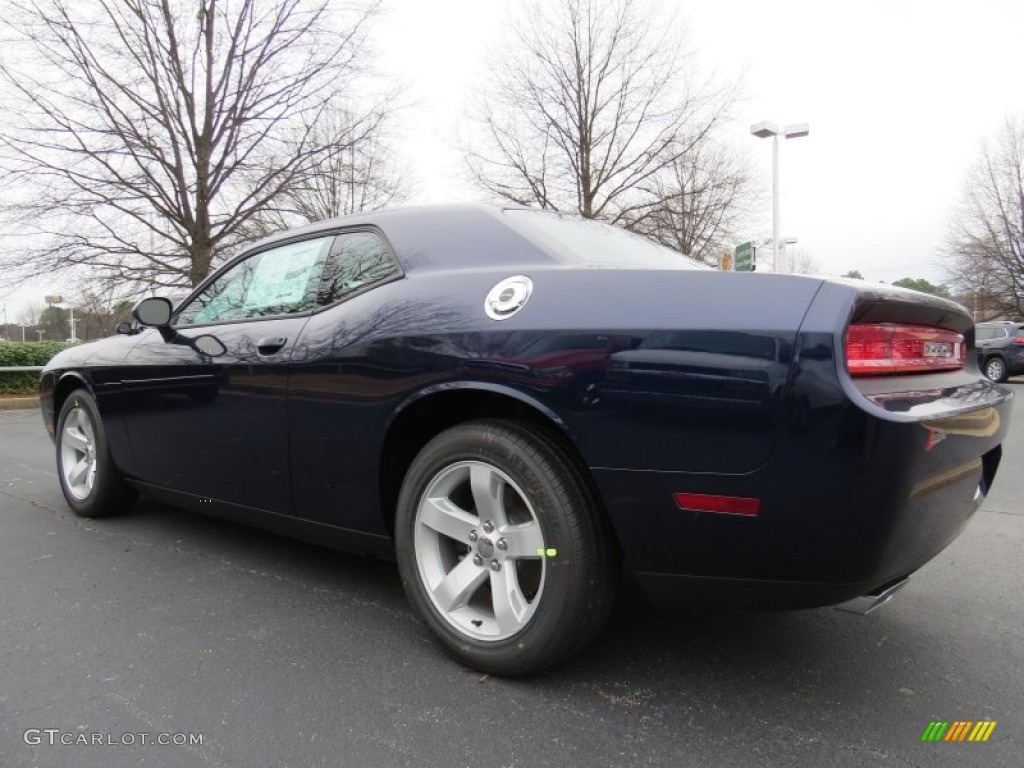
[{"x": 283, "y": 654}]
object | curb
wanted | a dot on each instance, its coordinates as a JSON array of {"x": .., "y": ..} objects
[{"x": 18, "y": 403}]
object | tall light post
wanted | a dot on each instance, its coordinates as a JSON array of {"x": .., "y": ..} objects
[
  {"x": 54, "y": 301},
  {"x": 763, "y": 130}
]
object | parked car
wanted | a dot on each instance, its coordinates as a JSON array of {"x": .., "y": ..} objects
[
  {"x": 1000, "y": 349},
  {"x": 517, "y": 405}
]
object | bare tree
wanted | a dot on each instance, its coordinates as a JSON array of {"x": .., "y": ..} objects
[
  {"x": 986, "y": 242},
  {"x": 700, "y": 200},
  {"x": 148, "y": 133},
  {"x": 355, "y": 172},
  {"x": 30, "y": 312},
  {"x": 594, "y": 101},
  {"x": 803, "y": 262}
]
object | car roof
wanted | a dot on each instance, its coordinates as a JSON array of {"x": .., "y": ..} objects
[
  {"x": 438, "y": 237},
  {"x": 385, "y": 216}
]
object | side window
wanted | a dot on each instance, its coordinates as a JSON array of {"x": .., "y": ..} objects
[
  {"x": 357, "y": 259},
  {"x": 984, "y": 334},
  {"x": 280, "y": 281}
]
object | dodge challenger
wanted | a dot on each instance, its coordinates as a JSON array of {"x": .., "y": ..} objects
[{"x": 518, "y": 406}]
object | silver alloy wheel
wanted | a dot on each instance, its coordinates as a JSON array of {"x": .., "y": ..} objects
[
  {"x": 78, "y": 453},
  {"x": 479, "y": 550},
  {"x": 995, "y": 369}
]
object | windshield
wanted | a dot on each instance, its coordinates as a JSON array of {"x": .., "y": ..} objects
[{"x": 593, "y": 243}]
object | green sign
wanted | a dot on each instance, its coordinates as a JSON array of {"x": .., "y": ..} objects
[{"x": 746, "y": 255}]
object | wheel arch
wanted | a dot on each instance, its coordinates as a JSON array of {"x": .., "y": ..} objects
[
  {"x": 64, "y": 384},
  {"x": 431, "y": 411}
]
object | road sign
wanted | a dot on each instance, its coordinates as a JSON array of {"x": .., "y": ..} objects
[
  {"x": 746, "y": 257},
  {"x": 725, "y": 263}
]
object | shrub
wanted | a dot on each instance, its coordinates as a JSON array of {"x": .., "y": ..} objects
[{"x": 25, "y": 353}]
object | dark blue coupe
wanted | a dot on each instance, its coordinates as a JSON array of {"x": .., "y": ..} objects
[{"x": 517, "y": 405}]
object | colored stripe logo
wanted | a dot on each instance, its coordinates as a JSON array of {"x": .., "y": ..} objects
[{"x": 958, "y": 730}]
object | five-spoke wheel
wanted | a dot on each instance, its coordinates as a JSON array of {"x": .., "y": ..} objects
[
  {"x": 78, "y": 453},
  {"x": 92, "y": 484},
  {"x": 502, "y": 548},
  {"x": 480, "y": 550}
]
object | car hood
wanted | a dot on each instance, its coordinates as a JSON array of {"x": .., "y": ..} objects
[{"x": 103, "y": 352}]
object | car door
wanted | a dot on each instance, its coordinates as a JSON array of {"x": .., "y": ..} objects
[
  {"x": 338, "y": 395},
  {"x": 207, "y": 402}
]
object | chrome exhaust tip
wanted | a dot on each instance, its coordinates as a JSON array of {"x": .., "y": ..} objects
[
  {"x": 865, "y": 604},
  {"x": 979, "y": 496}
]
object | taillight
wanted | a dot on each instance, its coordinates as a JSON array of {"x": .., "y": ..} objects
[
  {"x": 876, "y": 349},
  {"x": 1019, "y": 340}
]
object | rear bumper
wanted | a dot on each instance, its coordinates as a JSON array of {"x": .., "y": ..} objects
[
  {"x": 673, "y": 591},
  {"x": 857, "y": 495}
]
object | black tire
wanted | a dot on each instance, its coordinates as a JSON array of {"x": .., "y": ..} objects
[
  {"x": 996, "y": 370},
  {"x": 82, "y": 446},
  {"x": 539, "y": 489}
]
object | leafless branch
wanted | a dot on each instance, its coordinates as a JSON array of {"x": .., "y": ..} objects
[
  {"x": 986, "y": 242},
  {"x": 596, "y": 107},
  {"x": 148, "y": 133}
]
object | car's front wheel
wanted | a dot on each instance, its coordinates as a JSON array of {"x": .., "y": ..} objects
[
  {"x": 501, "y": 548},
  {"x": 995, "y": 369},
  {"x": 92, "y": 484}
]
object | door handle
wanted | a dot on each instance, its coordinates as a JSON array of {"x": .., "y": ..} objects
[{"x": 270, "y": 345}]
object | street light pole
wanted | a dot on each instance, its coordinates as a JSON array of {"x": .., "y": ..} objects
[
  {"x": 776, "y": 265},
  {"x": 763, "y": 130}
]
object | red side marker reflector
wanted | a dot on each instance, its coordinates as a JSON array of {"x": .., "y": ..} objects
[{"x": 729, "y": 505}]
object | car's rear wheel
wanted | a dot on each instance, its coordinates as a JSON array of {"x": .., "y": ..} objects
[
  {"x": 92, "y": 484},
  {"x": 501, "y": 548},
  {"x": 995, "y": 369}
]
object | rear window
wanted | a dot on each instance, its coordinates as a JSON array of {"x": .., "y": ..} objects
[
  {"x": 594, "y": 244},
  {"x": 986, "y": 332}
]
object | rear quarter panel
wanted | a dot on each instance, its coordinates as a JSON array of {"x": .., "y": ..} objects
[{"x": 643, "y": 370}]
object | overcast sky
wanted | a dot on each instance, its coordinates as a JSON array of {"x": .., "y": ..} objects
[{"x": 898, "y": 95}]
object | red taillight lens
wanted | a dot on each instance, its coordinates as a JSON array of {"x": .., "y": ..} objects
[
  {"x": 873, "y": 350},
  {"x": 1019, "y": 340}
]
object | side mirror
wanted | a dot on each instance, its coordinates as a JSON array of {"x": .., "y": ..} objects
[
  {"x": 209, "y": 345},
  {"x": 154, "y": 311}
]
